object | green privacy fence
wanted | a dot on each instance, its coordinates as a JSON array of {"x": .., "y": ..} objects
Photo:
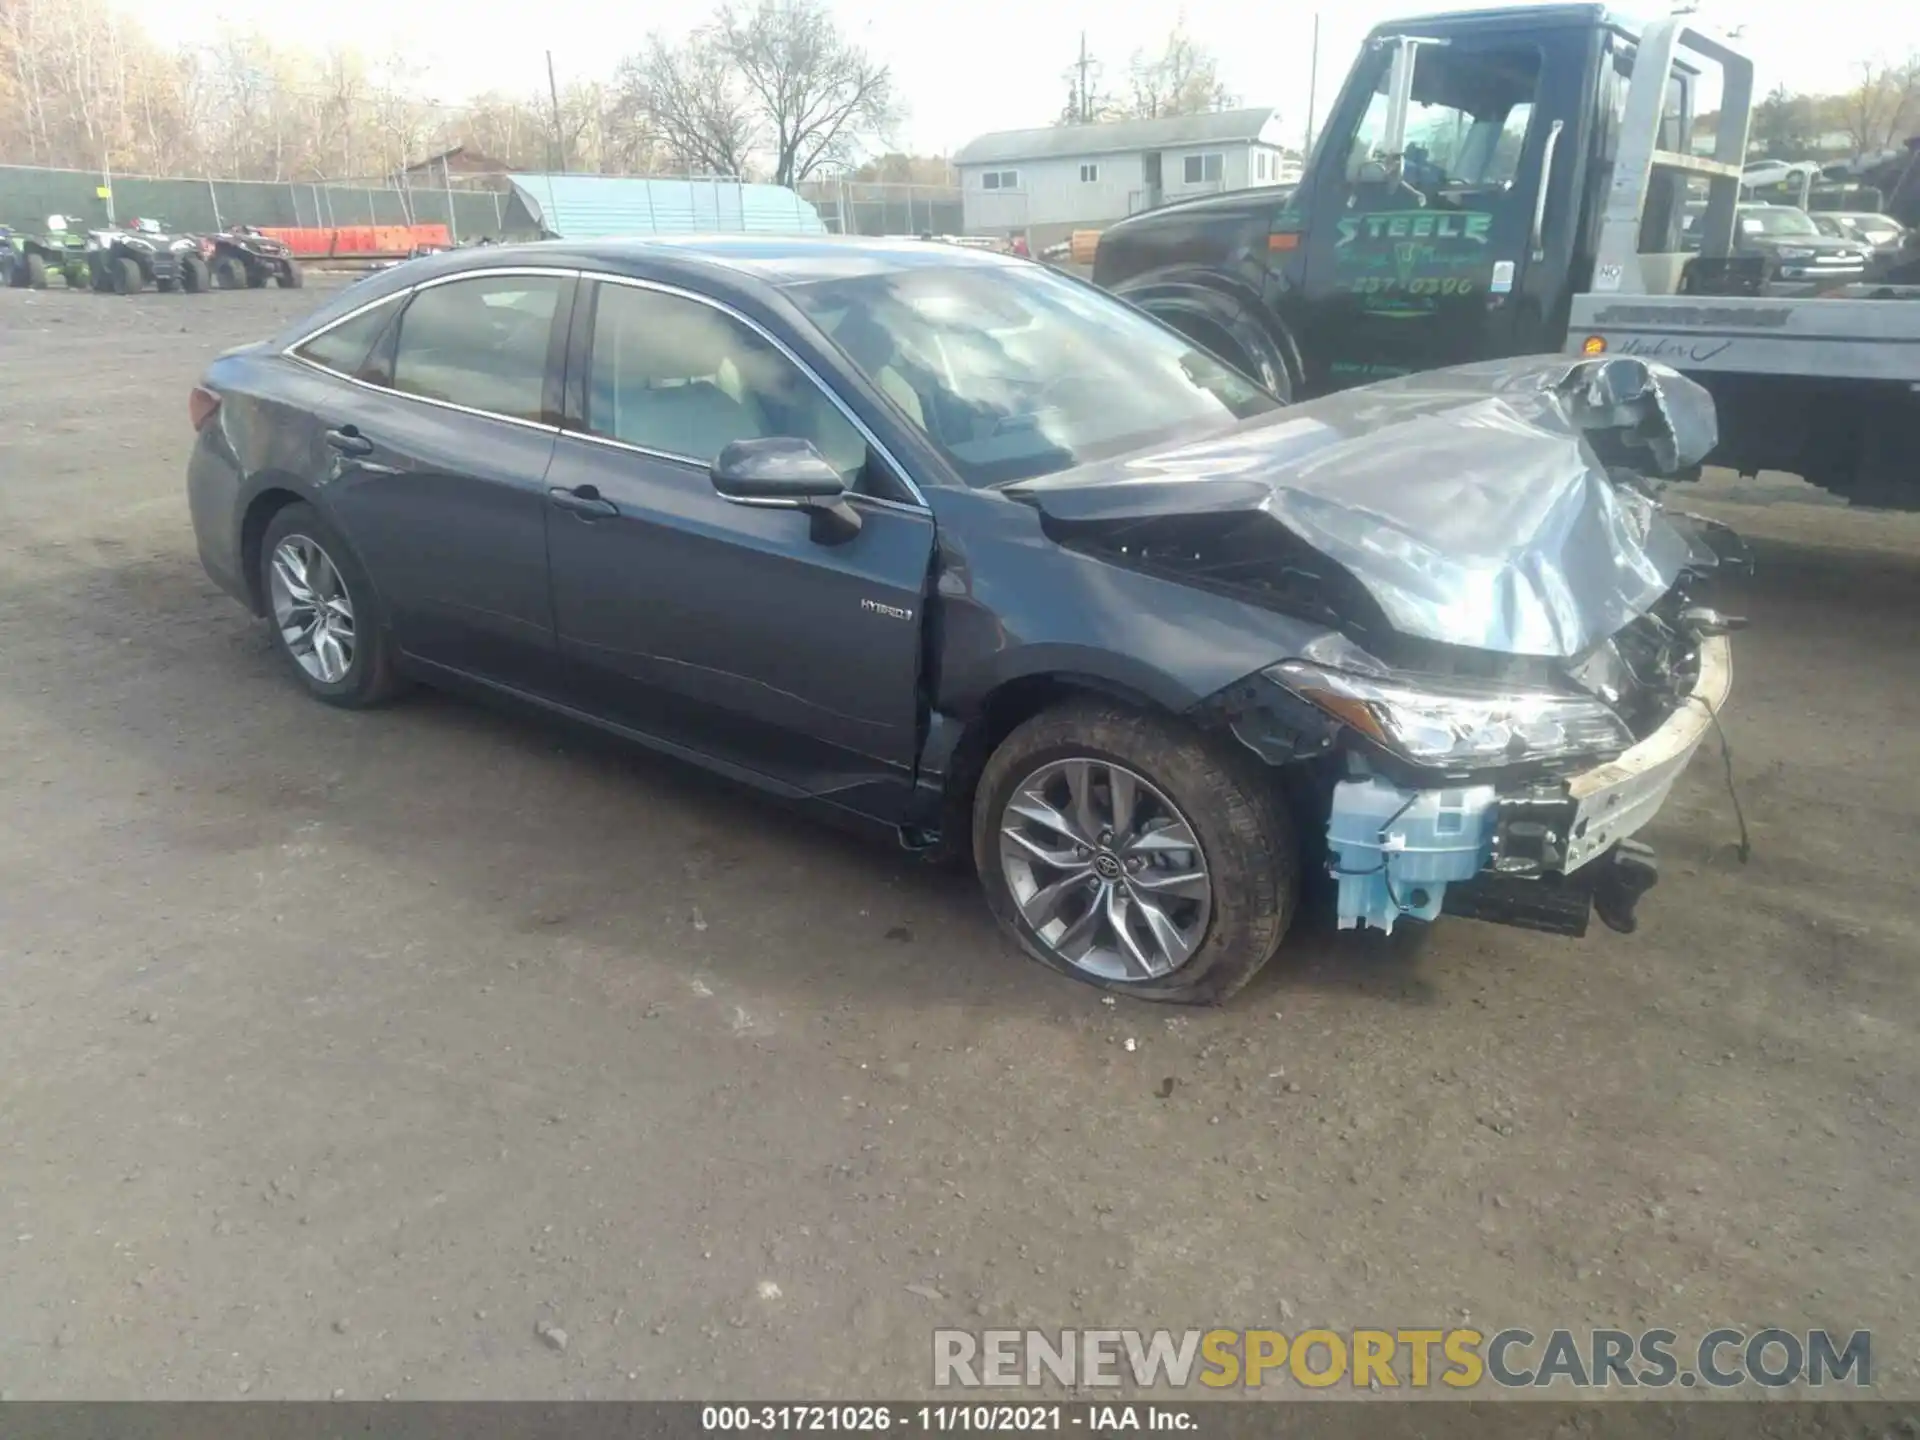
[{"x": 28, "y": 195}]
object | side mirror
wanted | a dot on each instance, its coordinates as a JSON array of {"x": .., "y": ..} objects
[{"x": 788, "y": 474}]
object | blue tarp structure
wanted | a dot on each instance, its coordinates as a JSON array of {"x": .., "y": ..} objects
[{"x": 594, "y": 207}]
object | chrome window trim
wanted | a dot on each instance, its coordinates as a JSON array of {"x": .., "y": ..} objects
[
  {"x": 396, "y": 298},
  {"x": 917, "y": 506},
  {"x": 406, "y": 294},
  {"x": 563, "y": 272},
  {"x": 866, "y": 433}
]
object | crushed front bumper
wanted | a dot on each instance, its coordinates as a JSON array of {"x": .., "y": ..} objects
[
  {"x": 1614, "y": 800},
  {"x": 1543, "y": 857}
]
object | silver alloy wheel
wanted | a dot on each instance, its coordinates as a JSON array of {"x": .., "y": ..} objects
[
  {"x": 312, "y": 608},
  {"x": 1106, "y": 870}
]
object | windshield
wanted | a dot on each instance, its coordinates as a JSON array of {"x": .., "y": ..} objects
[
  {"x": 1777, "y": 222},
  {"x": 1014, "y": 373}
]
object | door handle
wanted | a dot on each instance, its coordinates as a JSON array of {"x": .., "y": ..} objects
[
  {"x": 582, "y": 500},
  {"x": 353, "y": 449}
]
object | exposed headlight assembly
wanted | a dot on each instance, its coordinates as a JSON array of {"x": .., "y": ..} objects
[{"x": 1447, "y": 720}]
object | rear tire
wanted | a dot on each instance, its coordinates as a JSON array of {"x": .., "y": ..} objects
[
  {"x": 229, "y": 273},
  {"x": 368, "y": 677},
  {"x": 256, "y": 278},
  {"x": 1247, "y": 856},
  {"x": 33, "y": 270},
  {"x": 126, "y": 278}
]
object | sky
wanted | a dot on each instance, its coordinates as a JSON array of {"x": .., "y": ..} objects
[{"x": 964, "y": 69}]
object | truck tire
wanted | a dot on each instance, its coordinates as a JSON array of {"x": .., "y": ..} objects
[
  {"x": 193, "y": 274},
  {"x": 1109, "y": 793},
  {"x": 229, "y": 273},
  {"x": 1259, "y": 362},
  {"x": 125, "y": 276}
]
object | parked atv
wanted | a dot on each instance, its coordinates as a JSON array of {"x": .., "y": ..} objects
[
  {"x": 127, "y": 261},
  {"x": 59, "y": 251},
  {"x": 242, "y": 256}
]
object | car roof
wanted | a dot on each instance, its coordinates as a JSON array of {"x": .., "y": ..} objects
[
  {"x": 730, "y": 267},
  {"x": 771, "y": 259}
]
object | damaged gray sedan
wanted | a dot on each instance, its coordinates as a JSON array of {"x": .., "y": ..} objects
[{"x": 960, "y": 548}]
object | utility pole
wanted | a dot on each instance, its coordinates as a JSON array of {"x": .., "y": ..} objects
[
  {"x": 559, "y": 141},
  {"x": 1313, "y": 84},
  {"x": 1086, "y": 100}
]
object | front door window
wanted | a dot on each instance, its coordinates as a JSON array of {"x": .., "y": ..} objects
[{"x": 1466, "y": 124}]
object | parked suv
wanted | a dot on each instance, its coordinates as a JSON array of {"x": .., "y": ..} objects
[{"x": 1798, "y": 253}]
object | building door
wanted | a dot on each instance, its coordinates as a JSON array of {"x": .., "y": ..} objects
[{"x": 1150, "y": 174}]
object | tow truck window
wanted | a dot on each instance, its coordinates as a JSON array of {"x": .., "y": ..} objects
[{"x": 1466, "y": 126}]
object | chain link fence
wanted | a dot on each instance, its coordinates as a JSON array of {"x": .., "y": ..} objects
[
  {"x": 28, "y": 195},
  {"x": 858, "y": 207}
]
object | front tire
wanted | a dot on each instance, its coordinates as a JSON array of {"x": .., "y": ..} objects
[
  {"x": 323, "y": 611},
  {"x": 291, "y": 278},
  {"x": 193, "y": 274},
  {"x": 229, "y": 273},
  {"x": 126, "y": 277},
  {"x": 1128, "y": 851},
  {"x": 35, "y": 269}
]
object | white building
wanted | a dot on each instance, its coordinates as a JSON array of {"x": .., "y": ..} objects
[{"x": 1045, "y": 183}]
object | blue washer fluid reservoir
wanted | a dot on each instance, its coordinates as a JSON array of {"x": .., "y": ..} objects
[{"x": 1394, "y": 851}]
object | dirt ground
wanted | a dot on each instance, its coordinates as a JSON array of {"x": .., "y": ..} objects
[{"x": 338, "y": 1051}]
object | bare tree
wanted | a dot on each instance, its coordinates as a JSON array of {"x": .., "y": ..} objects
[
  {"x": 820, "y": 95},
  {"x": 1183, "y": 79},
  {"x": 1876, "y": 110},
  {"x": 689, "y": 97}
]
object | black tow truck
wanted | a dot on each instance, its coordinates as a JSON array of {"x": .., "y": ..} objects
[{"x": 1518, "y": 181}]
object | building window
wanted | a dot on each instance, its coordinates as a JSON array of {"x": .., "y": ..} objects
[
  {"x": 1089, "y": 174},
  {"x": 1202, "y": 168},
  {"x": 1260, "y": 164},
  {"x": 1000, "y": 180}
]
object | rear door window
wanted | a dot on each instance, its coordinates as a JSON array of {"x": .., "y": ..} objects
[
  {"x": 480, "y": 343},
  {"x": 346, "y": 348}
]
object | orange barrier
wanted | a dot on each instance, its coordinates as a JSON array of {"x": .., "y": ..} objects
[{"x": 359, "y": 242}]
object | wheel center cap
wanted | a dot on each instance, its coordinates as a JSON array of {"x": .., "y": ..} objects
[{"x": 1106, "y": 866}]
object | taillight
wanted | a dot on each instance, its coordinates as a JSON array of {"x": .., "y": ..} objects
[{"x": 202, "y": 405}]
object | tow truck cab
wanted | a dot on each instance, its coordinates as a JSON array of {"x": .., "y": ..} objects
[{"x": 1450, "y": 209}]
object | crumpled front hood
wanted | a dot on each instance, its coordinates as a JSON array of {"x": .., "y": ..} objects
[{"x": 1473, "y": 504}]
